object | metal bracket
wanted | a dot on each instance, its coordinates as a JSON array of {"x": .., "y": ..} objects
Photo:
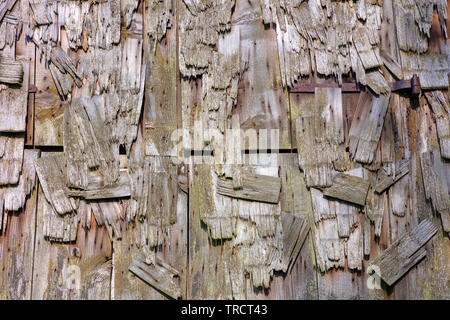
[{"x": 403, "y": 85}]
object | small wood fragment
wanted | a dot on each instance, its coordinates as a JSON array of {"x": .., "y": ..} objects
[
  {"x": 393, "y": 66},
  {"x": 159, "y": 275},
  {"x": 385, "y": 181},
  {"x": 348, "y": 188},
  {"x": 50, "y": 171},
  {"x": 11, "y": 71},
  {"x": 254, "y": 187},
  {"x": 95, "y": 189},
  {"x": 295, "y": 231}
]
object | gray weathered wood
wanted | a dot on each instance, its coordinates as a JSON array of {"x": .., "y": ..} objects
[
  {"x": 254, "y": 187},
  {"x": 51, "y": 173},
  {"x": 440, "y": 107},
  {"x": 435, "y": 180},
  {"x": 13, "y": 100},
  {"x": 366, "y": 127},
  {"x": 157, "y": 274},
  {"x": 385, "y": 181},
  {"x": 295, "y": 231},
  {"x": 97, "y": 190},
  {"x": 403, "y": 254},
  {"x": 348, "y": 188}
]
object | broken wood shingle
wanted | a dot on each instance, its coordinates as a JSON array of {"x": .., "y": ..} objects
[
  {"x": 254, "y": 187},
  {"x": 348, "y": 188},
  {"x": 51, "y": 173},
  {"x": 403, "y": 254},
  {"x": 157, "y": 274}
]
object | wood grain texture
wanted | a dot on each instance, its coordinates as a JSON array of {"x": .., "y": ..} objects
[
  {"x": 404, "y": 253},
  {"x": 348, "y": 188}
]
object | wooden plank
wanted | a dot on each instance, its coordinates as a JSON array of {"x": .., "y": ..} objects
[
  {"x": 157, "y": 274},
  {"x": 50, "y": 171},
  {"x": 89, "y": 142},
  {"x": 348, "y": 188},
  {"x": 393, "y": 66},
  {"x": 435, "y": 180},
  {"x": 438, "y": 103},
  {"x": 161, "y": 116},
  {"x": 369, "y": 56},
  {"x": 17, "y": 240},
  {"x": 16, "y": 98},
  {"x": 254, "y": 187},
  {"x": 71, "y": 260},
  {"x": 366, "y": 126},
  {"x": 11, "y": 71},
  {"x": 84, "y": 266},
  {"x": 49, "y": 109},
  {"x": 385, "y": 180},
  {"x": 261, "y": 101},
  {"x": 11, "y": 157},
  {"x": 135, "y": 236},
  {"x": 320, "y": 137},
  {"x": 403, "y": 254},
  {"x": 96, "y": 189}
]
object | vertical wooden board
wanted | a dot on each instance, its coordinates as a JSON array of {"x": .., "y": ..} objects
[
  {"x": 26, "y": 52},
  {"x": 125, "y": 285},
  {"x": 160, "y": 93},
  {"x": 175, "y": 251},
  {"x": 299, "y": 283},
  {"x": 49, "y": 109},
  {"x": 48, "y": 105},
  {"x": 430, "y": 277},
  {"x": 17, "y": 252},
  {"x": 298, "y": 102},
  {"x": 77, "y": 270},
  {"x": 206, "y": 279},
  {"x": 262, "y": 102}
]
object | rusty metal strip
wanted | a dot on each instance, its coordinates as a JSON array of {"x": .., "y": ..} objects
[{"x": 412, "y": 84}]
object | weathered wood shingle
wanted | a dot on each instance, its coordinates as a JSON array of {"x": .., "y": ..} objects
[{"x": 403, "y": 254}]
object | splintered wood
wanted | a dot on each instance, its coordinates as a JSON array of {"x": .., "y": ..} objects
[
  {"x": 320, "y": 137},
  {"x": 366, "y": 127},
  {"x": 212, "y": 149},
  {"x": 51, "y": 176}
]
